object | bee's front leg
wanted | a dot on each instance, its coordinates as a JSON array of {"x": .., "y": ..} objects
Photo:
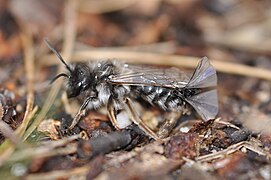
[{"x": 80, "y": 113}]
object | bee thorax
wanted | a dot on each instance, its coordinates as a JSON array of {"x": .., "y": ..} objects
[{"x": 103, "y": 93}]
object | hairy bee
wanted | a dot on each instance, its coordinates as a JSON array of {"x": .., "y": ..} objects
[{"x": 114, "y": 84}]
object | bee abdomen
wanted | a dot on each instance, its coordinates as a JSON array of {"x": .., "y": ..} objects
[{"x": 164, "y": 98}]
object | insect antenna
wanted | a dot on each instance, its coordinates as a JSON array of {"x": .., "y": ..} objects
[
  {"x": 58, "y": 55},
  {"x": 58, "y": 76}
]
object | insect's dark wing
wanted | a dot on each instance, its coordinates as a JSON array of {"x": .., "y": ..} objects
[
  {"x": 151, "y": 76},
  {"x": 205, "y": 104},
  {"x": 204, "y": 75}
]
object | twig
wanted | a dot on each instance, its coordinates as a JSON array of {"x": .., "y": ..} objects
[
  {"x": 219, "y": 121},
  {"x": 104, "y": 5},
  {"x": 155, "y": 147},
  {"x": 7, "y": 132},
  {"x": 233, "y": 148},
  {"x": 104, "y": 144},
  {"x": 70, "y": 28},
  {"x": 167, "y": 47},
  {"x": 6, "y": 149},
  {"x": 61, "y": 142},
  {"x": 162, "y": 59}
]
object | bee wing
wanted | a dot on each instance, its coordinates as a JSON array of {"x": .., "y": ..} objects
[
  {"x": 204, "y": 76},
  {"x": 151, "y": 76},
  {"x": 206, "y": 104}
]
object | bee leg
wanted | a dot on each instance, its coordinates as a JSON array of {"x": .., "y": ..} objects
[
  {"x": 136, "y": 119},
  {"x": 111, "y": 114},
  {"x": 80, "y": 113},
  {"x": 169, "y": 123}
]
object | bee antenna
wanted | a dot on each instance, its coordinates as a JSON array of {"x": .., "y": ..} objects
[
  {"x": 56, "y": 53},
  {"x": 58, "y": 76}
]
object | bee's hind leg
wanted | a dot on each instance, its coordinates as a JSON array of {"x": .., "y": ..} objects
[
  {"x": 111, "y": 113},
  {"x": 136, "y": 119},
  {"x": 169, "y": 123},
  {"x": 80, "y": 113}
]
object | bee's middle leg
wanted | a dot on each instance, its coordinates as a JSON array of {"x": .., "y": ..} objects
[
  {"x": 111, "y": 113},
  {"x": 137, "y": 120}
]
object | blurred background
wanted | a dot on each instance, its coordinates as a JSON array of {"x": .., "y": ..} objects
[
  {"x": 232, "y": 30},
  {"x": 234, "y": 34}
]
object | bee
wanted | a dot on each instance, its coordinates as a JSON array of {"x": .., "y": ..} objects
[{"x": 115, "y": 85}]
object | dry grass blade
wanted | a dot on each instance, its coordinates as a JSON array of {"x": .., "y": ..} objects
[
  {"x": 70, "y": 16},
  {"x": 60, "y": 174},
  {"x": 49, "y": 101},
  {"x": 6, "y": 148},
  {"x": 29, "y": 69},
  {"x": 21, "y": 129},
  {"x": 46, "y": 150},
  {"x": 162, "y": 59},
  {"x": 42, "y": 152}
]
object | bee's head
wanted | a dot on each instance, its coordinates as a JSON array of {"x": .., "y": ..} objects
[
  {"x": 79, "y": 79},
  {"x": 78, "y": 76}
]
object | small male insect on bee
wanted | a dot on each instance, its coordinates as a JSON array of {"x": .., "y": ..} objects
[{"x": 114, "y": 84}]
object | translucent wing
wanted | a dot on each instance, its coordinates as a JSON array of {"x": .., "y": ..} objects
[
  {"x": 204, "y": 75},
  {"x": 151, "y": 76},
  {"x": 206, "y": 104}
]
